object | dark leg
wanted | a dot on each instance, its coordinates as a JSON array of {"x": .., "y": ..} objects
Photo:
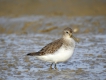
[
  {"x": 51, "y": 66},
  {"x": 55, "y": 66}
]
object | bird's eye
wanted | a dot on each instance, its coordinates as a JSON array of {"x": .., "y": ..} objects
[{"x": 66, "y": 32}]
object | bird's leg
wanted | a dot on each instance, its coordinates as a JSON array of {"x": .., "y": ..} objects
[
  {"x": 51, "y": 66},
  {"x": 55, "y": 66}
]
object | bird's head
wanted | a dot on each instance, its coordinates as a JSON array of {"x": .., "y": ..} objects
[{"x": 68, "y": 33}]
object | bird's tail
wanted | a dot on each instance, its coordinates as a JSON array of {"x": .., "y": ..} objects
[{"x": 33, "y": 54}]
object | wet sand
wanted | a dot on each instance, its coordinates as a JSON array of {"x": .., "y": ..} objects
[{"x": 87, "y": 63}]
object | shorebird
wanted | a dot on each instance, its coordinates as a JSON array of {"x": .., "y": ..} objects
[{"x": 59, "y": 50}]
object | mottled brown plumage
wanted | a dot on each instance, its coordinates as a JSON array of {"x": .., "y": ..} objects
[
  {"x": 53, "y": 46},
  {"x": 49, "y": 48}
]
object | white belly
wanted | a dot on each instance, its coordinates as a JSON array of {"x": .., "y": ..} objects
[{"x": 61, "y": 55}]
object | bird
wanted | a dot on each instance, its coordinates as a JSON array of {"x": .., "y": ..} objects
[{"x": 59, "y": 50}]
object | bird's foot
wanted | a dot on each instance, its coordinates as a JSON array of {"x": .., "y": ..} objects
[
  {"x": 51, "y": 67},
  {"x": 55, "y": 67}
]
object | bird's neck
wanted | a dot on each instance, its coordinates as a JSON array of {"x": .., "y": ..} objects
[{"x": 69, "y": 42}]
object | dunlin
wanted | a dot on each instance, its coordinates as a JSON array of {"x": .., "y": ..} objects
[{"x": 59, "y": 50}]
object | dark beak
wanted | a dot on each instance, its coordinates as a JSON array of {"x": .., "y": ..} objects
[{"x": 75, "y": 39}]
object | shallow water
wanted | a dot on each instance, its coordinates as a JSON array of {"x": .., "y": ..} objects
[{"x": 29, "y": 34}]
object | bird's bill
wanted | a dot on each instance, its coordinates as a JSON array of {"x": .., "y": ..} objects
[{"x": 75, "y": 38}]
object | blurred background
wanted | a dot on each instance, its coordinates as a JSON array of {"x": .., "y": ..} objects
[
  {"x": 25, "y": 10},
  {"x": 28, "y": 25},
  {"x": 52, "y": 7}
]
